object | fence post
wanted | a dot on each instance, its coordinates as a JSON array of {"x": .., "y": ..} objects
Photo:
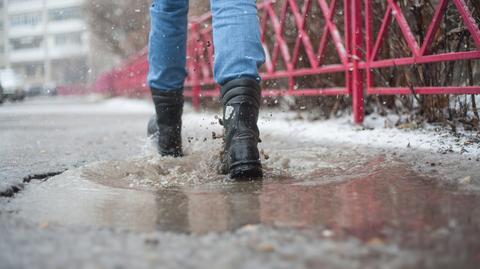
[
  {"x": 195, "y": 67},
  {"x": 369, "y": 44},
  {"x": 348, "y": 43},
  {"x": 358, "y": 95}
]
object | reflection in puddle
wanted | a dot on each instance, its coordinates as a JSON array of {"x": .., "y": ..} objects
[
  {"x": 389, "y": 197},
  {"x": 381, "y": 202}
]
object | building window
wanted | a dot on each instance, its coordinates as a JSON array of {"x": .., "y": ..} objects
[
  {"x": 62, "y": 14},
  {"x": 30, "y": 42},
  {"x": 30, "y": 70},
  {"x": 26, "y": 19},
  {"x": 18, "y": 1},
  {"x": 70, "y": 71},
  {"x": 34, "y": 69},
  {"x": 68, "y": 39}
]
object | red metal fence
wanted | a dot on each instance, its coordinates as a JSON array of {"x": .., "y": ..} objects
[{"x": 346, "y": 26}]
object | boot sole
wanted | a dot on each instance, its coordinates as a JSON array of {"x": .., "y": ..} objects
[{"x": 246, "y": 171}]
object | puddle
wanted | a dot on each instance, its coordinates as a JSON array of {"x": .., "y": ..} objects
[{"x": 346, "y": 193}]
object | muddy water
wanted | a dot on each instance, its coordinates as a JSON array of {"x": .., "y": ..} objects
[{"x": 337, "y": 193}]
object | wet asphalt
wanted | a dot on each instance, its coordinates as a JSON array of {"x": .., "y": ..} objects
[
  {"x": 45, "y": 136},
  {"x": 357, "y": 208}
]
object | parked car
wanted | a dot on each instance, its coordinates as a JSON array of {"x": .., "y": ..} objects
[
  {"x": 49, "y": 89},
  {"x": 34, "y": 90},
  {"x": 13, "y": 85}
]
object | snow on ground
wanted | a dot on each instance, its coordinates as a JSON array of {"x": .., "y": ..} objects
[
  {"x": 377, "y": 131},
  {"x": 373, "y": 133}
]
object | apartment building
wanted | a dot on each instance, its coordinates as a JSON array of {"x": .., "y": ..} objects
[
  {"x": 45, "y": 41},
  {"x": 2, "y": 35}
]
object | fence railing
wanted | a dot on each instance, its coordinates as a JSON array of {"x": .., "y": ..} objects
[{"x": 308, "y": 39}]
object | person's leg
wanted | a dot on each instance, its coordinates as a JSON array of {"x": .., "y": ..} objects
[
  {"x": 238, "y": 56},
  {"x": 167, "y": 45},
  {"x": 167, "y": 59},
  {"x": 236, "y": 35}
]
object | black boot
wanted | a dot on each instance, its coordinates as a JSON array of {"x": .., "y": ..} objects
[
  {"x": 166, "y": 125},
  {"x": 241, "y": 102}
]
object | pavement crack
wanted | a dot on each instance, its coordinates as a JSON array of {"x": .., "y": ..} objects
[
  {"x": 42, "y": 176},
  {"x": 14, "y": 189}
]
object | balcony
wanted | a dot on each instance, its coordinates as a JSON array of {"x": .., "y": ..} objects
[
  {"x": 67, "y": 51},
  {"x": 55, "y": 27},
  {"x": 27, "y": 55},
  {"x": 64, "y": 3},
  {"x": 25, "y": 30},
  {"x": 24, "y": 6}
]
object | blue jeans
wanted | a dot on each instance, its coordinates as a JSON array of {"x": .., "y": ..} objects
[{"x": 236, "y": 36}]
